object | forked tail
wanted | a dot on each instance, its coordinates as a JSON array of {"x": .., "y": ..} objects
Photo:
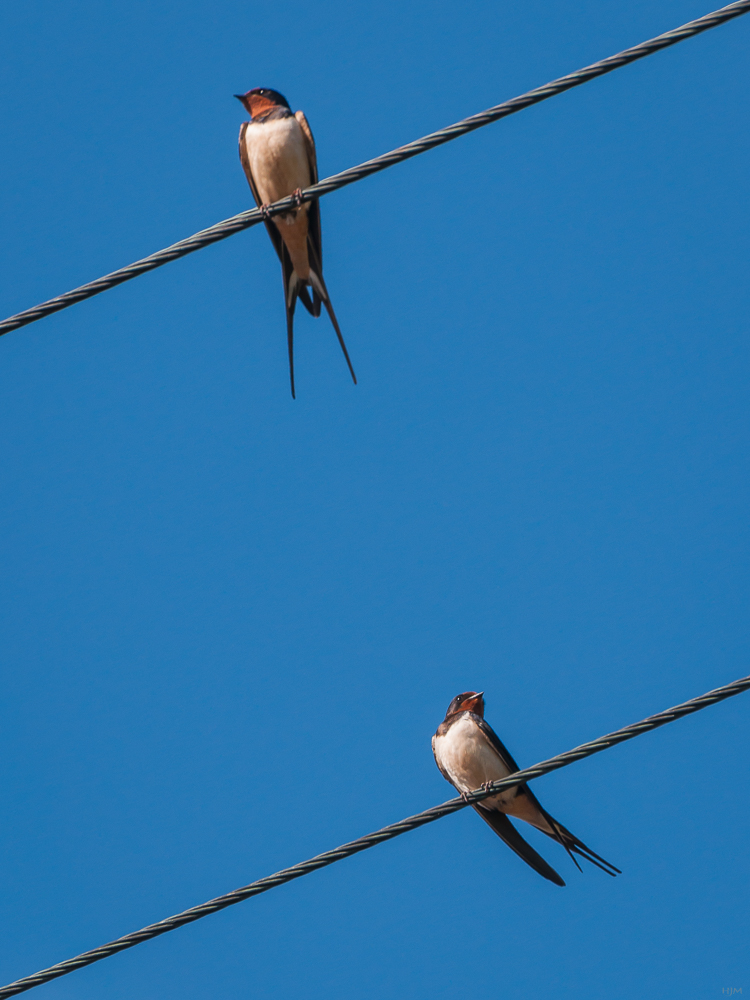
[
  {"x": 296, "y": 289},
  {"x": 574, "y": 846}
]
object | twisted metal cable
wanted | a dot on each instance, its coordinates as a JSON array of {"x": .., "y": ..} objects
[
  {"x": 245, "y": 220},
  {"x": 372, "y": 839}
]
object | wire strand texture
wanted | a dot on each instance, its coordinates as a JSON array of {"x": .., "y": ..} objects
[
  {"x": 245, "y": 220},
  {"x": 373, "y": 839}
]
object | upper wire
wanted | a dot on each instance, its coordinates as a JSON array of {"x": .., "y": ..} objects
[
  {"x": 244, "y": 220},
  {"x": 372, "y": 839}
]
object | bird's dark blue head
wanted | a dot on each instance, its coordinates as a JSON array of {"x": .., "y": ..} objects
[
  {"x": 469, "y": 701},
  {"x": 260, "y": 100}
]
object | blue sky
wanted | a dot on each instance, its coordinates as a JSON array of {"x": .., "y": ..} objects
[{"x": 231, "y": 622}]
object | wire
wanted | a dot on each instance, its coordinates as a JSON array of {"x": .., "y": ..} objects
[
  {"x": 372, "y": 839},
  {"x": 251, "y": 218}
]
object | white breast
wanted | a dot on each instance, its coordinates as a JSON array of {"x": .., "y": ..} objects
[
  {"x": 467, "y": 757},
  {"x": 278, "y": 159}
]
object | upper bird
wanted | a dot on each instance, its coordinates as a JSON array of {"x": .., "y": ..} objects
[
  {"x": 277, "y": 151},
  {"x": 470, "y": 755}
]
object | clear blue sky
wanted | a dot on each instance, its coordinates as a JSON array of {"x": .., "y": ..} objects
[{"x": 230, "y": 623}]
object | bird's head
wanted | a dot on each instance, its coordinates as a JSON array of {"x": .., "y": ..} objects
[
  {"x": 262, "y": 99},
  {"x": 469, "y": 701}
]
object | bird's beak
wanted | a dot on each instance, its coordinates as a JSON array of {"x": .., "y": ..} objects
[{"x": 240, "y": 97}]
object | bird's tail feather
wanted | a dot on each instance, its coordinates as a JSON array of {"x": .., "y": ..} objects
[
  {"x": 291, "y": 303},
  {"x": 292, "y": 288},
  {"x": 295, "y": 288},
  {"x": 320, "y": 294},
  {"x": 574, "y": 846}
]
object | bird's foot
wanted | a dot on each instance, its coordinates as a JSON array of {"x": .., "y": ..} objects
[
  {"x": 486, "y": 785},
  {"x": 297, "y": 196},
  {"x": 465, "y": 796},
  {"x": 264, "y": 211}
]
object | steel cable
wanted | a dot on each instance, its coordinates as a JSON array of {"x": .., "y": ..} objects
[
  {"x": 245, "y": 220},
  {"x": 372, "y": 839}
]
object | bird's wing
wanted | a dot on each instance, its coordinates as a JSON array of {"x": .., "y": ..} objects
[
  {"x": 497, "y": 744},
  {"x": 507, "y": 832},
  {"x": 313, "y": 210},
  {"x": 310, "y": 143}
]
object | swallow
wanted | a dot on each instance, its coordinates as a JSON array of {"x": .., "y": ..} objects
[
  {"x": 470, "y": 755},
  {"x": 277, "y": 151}
]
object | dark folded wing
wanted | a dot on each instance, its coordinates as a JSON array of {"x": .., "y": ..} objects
[
  {"x": 507, "y": 832},
  {"x": 497, "y": 743},
  {"x": 313, "y": 210}
]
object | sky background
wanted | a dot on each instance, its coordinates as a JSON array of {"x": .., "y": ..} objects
[{"x": 231, "y": 622}]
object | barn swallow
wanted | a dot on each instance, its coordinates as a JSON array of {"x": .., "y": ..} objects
[
  {"x": 277, "y": 151},
  {"x": 470, "y": 755}
]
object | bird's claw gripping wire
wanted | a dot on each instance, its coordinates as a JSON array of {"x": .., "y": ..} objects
[
  {"x": 484, "y": 787},
  {"x": 297, "y": 196}
]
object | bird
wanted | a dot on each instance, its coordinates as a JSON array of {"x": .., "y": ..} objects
[
  {"x": 277, "y": 152},
  {"x": 470, "y": 756}
]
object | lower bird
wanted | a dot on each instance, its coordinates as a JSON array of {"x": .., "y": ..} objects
[
  {"x": 470, "y": 755},
  {"x": 277, "y": 151}
]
